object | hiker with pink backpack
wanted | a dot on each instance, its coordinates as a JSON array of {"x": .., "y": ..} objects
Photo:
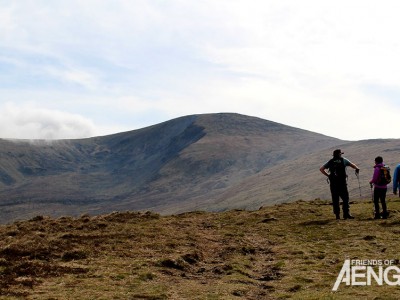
[{"x": 380, "y": 179}]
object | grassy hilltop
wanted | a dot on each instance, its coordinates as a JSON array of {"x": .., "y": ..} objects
[{"x": 287, "y": 251}]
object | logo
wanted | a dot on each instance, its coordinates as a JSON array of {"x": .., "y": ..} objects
[{"x": 367, "y": 272}]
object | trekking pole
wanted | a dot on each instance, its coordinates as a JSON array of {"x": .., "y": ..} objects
[
  {"x": 358, "y": 178},
  {"x": 372, "y": 196}
]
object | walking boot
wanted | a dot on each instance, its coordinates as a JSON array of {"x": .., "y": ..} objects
[
  {"x": 385, "y": 215},
  {"x": 377, "y": 216},
  {"x": 348, "y": 216},
  {"x": 337, "y": 216}
]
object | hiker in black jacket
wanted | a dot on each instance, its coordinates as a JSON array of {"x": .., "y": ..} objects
[{"x": 338, "y": 182}]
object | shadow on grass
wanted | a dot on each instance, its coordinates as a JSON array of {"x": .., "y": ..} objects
[
  {"x": 390, "y": 223},
  {"x": 316, "y": 222}
]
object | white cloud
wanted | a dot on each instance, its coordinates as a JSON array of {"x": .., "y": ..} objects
[
  {"x": 125, "y": 63},
  {"x": 29, "y": 122},
  {"x": 80, "y": 77}
]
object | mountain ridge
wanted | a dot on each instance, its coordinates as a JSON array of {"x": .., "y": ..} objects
[{"x": 169, "y": 167}]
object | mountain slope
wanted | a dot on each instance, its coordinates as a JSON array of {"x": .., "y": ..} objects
[
  {"x": 233, "y": 148},
  {"x": 300, "y": 178},
  {"x": 173, "y": 166}
]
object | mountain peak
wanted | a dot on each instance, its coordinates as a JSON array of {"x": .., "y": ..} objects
[{"x": 177, "y": 165}]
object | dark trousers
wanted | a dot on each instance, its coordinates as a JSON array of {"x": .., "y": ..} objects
[
  {"x": 380, "y": 194},
  {"x": 339, "y": 190}
]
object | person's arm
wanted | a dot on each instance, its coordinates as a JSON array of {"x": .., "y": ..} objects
[
  {"x": 354, "y": 166},
  {"x": 395, "y": 180},
  {"x": 375, "y": 176},
  {"x": 322, "y": 169}
]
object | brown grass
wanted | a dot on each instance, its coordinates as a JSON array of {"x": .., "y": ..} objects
[{"x": 288, "y": 251}]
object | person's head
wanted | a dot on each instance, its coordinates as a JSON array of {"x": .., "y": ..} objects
[
  {"x": 378, "y": 160},
  {"x": 337, "y": 153}
]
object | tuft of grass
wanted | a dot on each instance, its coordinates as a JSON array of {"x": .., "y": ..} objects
[{"x": 147, "y": 276}]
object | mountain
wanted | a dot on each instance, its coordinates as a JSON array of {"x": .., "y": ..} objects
[{"x": 192, "y": 162}]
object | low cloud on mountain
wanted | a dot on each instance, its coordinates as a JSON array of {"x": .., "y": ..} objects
[{"x": 30, "y": 122}]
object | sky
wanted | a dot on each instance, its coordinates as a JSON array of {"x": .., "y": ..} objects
[{"x": 74, "y": 69}]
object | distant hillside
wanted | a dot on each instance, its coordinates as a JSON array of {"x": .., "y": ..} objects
[
  {"x": 300, "y": 178},
  {"x": 178, "y": 165}
]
